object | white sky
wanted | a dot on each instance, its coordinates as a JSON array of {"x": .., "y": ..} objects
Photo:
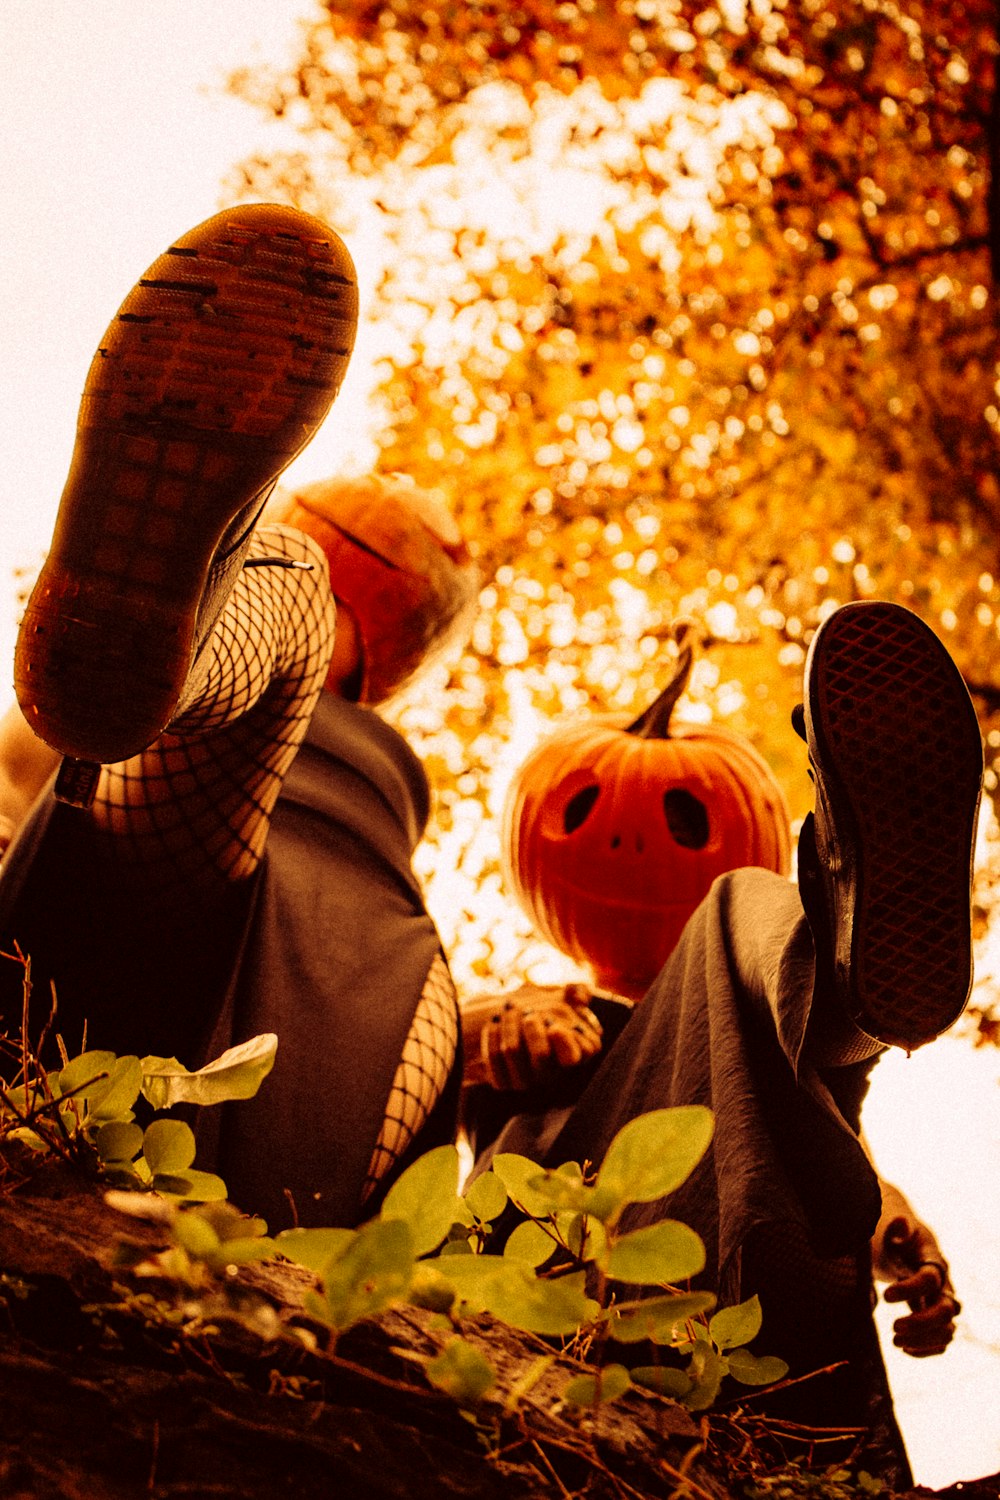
[{"x": 114, "y": 137}]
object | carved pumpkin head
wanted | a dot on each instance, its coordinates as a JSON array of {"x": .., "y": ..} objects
[
  {"x": 399, "y": 564},
  {"x": 612, "y": 836}
]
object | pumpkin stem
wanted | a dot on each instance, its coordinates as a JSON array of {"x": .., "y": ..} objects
[{"x": 654, "y": 722}]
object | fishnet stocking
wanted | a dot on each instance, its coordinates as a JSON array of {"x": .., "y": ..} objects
[
  {"x": 194, "y": 808},
  {"x": 428, "y": 1057}
]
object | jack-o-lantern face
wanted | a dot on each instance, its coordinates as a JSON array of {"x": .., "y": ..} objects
[{"x": 612, "y": 836}]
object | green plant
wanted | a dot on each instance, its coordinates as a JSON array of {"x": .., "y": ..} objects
[
  {"x": 206, "y": 1237},
  {"x": 562, "y": 1271},
  {"x": 793, "y": 1482},
  {"x": 85, "y": 1112}
]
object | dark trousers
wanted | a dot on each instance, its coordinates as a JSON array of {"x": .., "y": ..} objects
[{"x": 785, "y": 1199}]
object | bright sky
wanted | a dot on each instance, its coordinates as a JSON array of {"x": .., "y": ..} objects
[{"x": 114, "y": 137}]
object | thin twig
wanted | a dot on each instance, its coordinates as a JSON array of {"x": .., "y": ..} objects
[
  {"x": 595, "y": 1462},
  {"x": 71, "y": 1094},
  {"x": 27, "y": 1122},
  {"x": 685, "y": 1481},
  {"x": 403, "y": 1386},
  {"x": 781, "y": 1385},
  {"x": 43, "y": 1038},
  {"x": 25, "y": 1008},
  {"x": 548, "y": 1464},
  {"x": 151, "y": 1482}
]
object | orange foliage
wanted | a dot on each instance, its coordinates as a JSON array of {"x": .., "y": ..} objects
[{"x": 692, "y": 312}]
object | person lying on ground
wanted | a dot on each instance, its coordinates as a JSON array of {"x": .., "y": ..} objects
[{"x": 227, "y": 847}]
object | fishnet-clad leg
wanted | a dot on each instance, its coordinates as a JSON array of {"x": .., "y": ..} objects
[
  {"x": 428, "y": 1057},
  {"x": 193, "y": 809}
]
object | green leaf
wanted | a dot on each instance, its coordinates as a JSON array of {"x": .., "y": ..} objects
[
  {"x": 508, "y": 1290},
  {"x": 706, "y": 1370},
  {"x": 199, "y": 1187},
  {"x": 118, "y": 1141},
  {"x": 426, "y": 1198},
  {"x": 195, "y": 1234},
  {"x": 229, "y": 1223},
  {"x": 81, "y": 1070},
  {"x": 237, "y": 1074},
  {"x": 530, "y": 1243},
  {"x": 536, "y": 1192},
  {"x": 753, "y": 1369},
  {"x": 571, "y": 1169},
  {"x": 736, "y": 1325},
  {"x": 561, "y": 1192},
  {"x": 662, "y": 1253},
  {"x": 607, "y": 1385},
  {"x": 585, "y": 1236},
  {"x": 168, "y": 1146},
  {"x": 656, "y": 1318},
  {"x": 462, "y": 1371},
  {"x": 313, "y": 1248},
  {"x": 169, "y": 1184},
  {"x": 28, "y": 1137},
  {"x": 102, "y": 1084},
  {"x": 487, "y": 1197},
  {"x": 663, "y": 1379},
  {"x": 517, "y": 1173},
  {"x": 239, "y": 1252},
  {"x": 430, "y": 1288},
  {"x": 315, "y": 1307},
  {"x": 455, "y": 1247},
  {"x": 122, "y": 1174},
  {"x": 114, "y": 1098},
  {"x": 23, "y": 1096},
  {"x": 654, "y": 1153},
  {"x": 373, "y": 1272}
]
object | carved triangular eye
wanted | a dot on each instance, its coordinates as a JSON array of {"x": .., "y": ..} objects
[
  {"x": 579, "y": 806},
  {"x": 687, "y": 818}
]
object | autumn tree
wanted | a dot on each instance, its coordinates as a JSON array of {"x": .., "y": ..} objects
[{"x": 688, "y": 309}]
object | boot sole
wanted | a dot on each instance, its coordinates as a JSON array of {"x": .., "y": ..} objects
[
  {"x": 898, "y": 759},
  {"x": 218, "y": 368}
]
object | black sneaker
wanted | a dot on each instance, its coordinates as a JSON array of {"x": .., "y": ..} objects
[
  {"x": 219, "y": 367},
  {"x": 897, "y": 759}
]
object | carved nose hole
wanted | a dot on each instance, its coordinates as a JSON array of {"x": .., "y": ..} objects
[
  {"x": 578, "y": 808},
  {"x": 687, "y": 818}
]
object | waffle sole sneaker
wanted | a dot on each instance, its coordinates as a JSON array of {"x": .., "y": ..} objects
[
  {"x": 897, "y": 758},
  {"x": 217, "y": 370}
]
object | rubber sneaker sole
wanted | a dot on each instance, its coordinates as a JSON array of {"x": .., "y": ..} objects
[
  {"x": 898, "y": 762},
  {"x": 218, "y": 368}
]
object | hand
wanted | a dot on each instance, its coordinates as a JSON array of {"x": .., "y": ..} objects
[
  {"x": 537, "y": 1030},
  {"x": 922, "y": 1281}
]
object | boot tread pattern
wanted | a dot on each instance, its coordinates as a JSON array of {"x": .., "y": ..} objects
[
  {"x": 219, "y": 367},
  {"x": 902, "y": 744}
]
